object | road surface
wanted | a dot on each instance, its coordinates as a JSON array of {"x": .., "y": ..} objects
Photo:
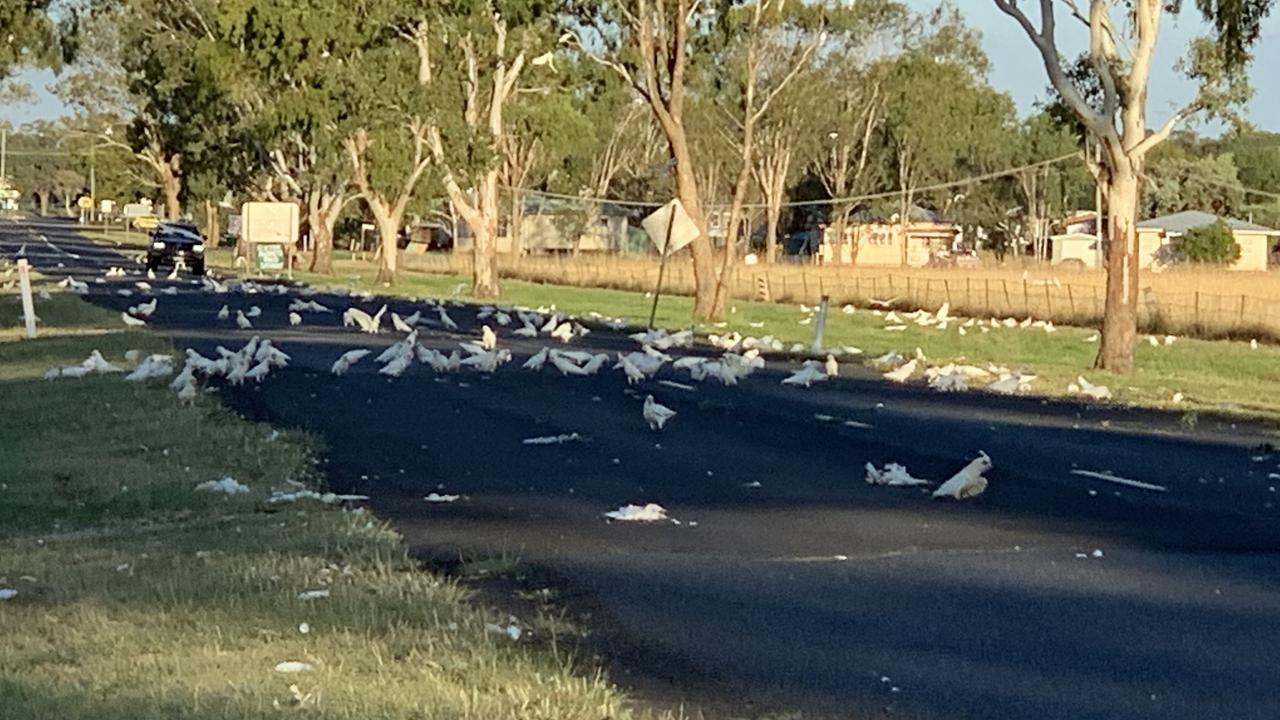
[{"x": 790, "y": 584}]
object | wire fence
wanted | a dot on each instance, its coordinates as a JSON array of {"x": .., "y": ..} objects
[{"x": 1206, "y": 303}]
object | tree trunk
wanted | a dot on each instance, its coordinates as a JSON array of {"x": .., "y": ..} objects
[
  {"x": 322, "y": 216},
  {"x": 484, "y": 232},
  {"x": 171, "y": 185},
  {"x": 44, "y": 203},
  {"x": 704, "y": 272},
  {"x": 1120, "y": 323},
  {"x": 388, "y": 245},
  {"x": 772, "y": 217}
]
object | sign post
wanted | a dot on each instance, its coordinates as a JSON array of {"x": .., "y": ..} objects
[
  {"x": 270, "y": 233},
  {"x": 671, "y": 229},
  {"x": 28, "y": 305},
  {"x": 820, "y": 329}
]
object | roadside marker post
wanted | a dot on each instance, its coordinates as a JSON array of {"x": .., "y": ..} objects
[
  {"x": 670, "y": 228},
  {"x": 28, "y": 304},
  {"x": 662, "y": 266},
  {"x": 820, "y": 331}
]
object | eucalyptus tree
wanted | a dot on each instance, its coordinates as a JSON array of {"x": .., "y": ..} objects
[
  {"x": 1122, "y": 37},
  {"x": 151, "y": 68}
]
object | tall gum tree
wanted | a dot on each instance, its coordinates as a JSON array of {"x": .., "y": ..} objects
[
  {"x": 1122, "y": 41},
  {"x": 472, "y": 57},
  {"x": 648, "y": 42}
]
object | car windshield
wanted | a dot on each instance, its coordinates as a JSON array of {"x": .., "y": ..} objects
[{"x": 178, "y": 234}]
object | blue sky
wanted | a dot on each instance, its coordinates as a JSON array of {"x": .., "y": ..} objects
[{"x": 1015, "y": 66}]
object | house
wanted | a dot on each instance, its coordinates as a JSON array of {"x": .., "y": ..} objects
[
  {"x": 1157, "y": 234},
  {"x": 1075, "y": 248},
  {"x": 880, "y": 242},
  {"x": 545, "y": 226}
]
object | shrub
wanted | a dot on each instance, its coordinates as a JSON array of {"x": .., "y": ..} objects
[{"x": 1208, "y": 244}]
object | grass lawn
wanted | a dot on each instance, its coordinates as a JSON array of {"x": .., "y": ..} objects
[
  {"x": 1211, "y": 375},
  {"x": 140, "y": 598}
]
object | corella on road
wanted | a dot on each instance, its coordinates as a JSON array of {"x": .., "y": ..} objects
[
  {"x": 655, "y": 414},
  {"x": 969, "y": 482}
]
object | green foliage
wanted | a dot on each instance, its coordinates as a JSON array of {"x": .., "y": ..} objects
[
  {"x": 942, "y": 121},
  {"x": 1209, "y": 244},
  {"x": 1183, "y": 179},
  {"x": 31, "y": 36}
]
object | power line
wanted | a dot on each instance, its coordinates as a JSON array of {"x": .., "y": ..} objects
[
  {"x": 1245, "y": 190},
  {"x": 973, "y": 180}
]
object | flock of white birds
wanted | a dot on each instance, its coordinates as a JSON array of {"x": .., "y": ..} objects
[{"x": 739, "y": 356}]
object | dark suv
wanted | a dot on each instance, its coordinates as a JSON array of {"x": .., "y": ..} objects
[{"x": 176, "y": 242}]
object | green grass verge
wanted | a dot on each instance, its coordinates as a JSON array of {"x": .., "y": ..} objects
[
  {"x": 1210, "y": 375},
  {"x": 142, "y": 599}
]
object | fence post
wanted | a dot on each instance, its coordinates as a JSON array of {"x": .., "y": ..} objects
[
  {"x": 1048, "y": 301},
  {"x": 1026, "y": 298},
  {"x": 1196, "y": 311},
  {"x": 1007, "y": 300},
  {"x": 946, "y": 287},
  {"x": 986, "y": 294},
  {"x": 28, "y": 304},
  {"x": 1243, "y": 299},
  {"x": 1071, "y": 301}
]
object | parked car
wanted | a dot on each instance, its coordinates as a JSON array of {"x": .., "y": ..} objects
[{"x": 176, "y": 243}]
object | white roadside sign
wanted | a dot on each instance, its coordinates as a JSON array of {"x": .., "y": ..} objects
[{"x": 670, "y": 217}]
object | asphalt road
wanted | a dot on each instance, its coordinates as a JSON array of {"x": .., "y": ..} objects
[{"x": 812, "y": 592}]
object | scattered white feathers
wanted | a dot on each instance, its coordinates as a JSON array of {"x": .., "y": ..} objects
[
  {"x": 552, "y": 439},
  {"x": 893, "y": 475},
  {"x": 651, "y": 512},
  {"x": 292, "y": 666},
  {"x": 295, "y": 319},
  {"x": 226, "y": 486},
  {"x": 131, "y": 321}
]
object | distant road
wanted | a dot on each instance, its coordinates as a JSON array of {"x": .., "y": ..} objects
[{"x": 1054, "y": 596}]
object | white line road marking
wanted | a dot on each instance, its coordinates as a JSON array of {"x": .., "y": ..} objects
[{"x": 1119, "y": 480}]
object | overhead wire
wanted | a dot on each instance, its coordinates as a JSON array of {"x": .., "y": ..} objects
[{"x": 965, "y": 182}]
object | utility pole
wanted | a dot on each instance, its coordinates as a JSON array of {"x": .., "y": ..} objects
[{"x": 4, "y": 151}]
